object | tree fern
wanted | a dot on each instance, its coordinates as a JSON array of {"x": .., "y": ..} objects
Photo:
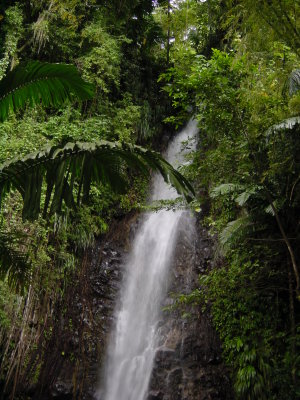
[{"x": 35, "y": 82}]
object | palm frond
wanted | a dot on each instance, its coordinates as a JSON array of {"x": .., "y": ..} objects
[
  {"x": 59, "y": 169},
  {"x": 35, "y": 82}
]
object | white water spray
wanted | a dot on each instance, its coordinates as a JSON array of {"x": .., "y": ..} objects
[{"x": 133, "y": 344}]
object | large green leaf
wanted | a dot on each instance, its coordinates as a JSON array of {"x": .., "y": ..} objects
[
  {"x": 35, "y": 82},
  {"x": 59, "y": 169}
]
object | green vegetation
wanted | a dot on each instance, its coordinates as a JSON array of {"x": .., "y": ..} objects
[
  {"x": 84, "y": 161},
  {"x": 103, "y": 80},
  {"x": 244, "y": 91}
]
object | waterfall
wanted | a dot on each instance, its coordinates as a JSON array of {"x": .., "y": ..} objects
[{"x": 134, "y": 341}]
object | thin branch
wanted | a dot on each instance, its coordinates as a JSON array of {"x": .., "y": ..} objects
[{"x": 287, "y": 242}]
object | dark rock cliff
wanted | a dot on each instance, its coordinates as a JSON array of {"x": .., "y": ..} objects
[{"x": 188, "y": 363}]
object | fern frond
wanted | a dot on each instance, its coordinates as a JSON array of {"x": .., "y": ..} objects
[
  {"x": 58, "y": 168},
  {"x": 233, "y": 231},
  {"x": 46, "y": 83},
  {"x": 278, "y": 204},
  {"x": 240, "y": 193},
  {"x": 243, "y": 197},
  {"x": 289, "y": 123},
  {"x": 294, "y": 82},
  {"x": 224, "y": 189}
]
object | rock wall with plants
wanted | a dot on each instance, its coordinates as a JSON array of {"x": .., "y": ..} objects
[
  {"x": 244, "y": 92},
  {"x": 234, "y": 66},
  {"x": 41, "y": 259}
]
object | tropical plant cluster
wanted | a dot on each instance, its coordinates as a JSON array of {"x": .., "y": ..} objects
[
  {"x": 103, "y": 76},
  {"x": 78, "y": 97},
  {"x": 239, "y": 74}
]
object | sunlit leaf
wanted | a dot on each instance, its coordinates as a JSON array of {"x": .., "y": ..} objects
[{"x": 46, "y": 83}]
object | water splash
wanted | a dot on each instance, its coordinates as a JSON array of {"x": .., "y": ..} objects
[{"x": 134, "y": 341}]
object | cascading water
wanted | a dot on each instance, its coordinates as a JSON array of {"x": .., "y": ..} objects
[{"x": 133, "y": 344}]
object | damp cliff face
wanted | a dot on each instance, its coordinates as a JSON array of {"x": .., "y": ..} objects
[
  {"x": 77, "y": 345},
  {"x": 112, "y": 316},
  {"x": 188, "y": 363}
]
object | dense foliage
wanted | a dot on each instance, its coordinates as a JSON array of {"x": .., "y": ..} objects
[
  {"x": 245, "y": 96},
  {"x": 234, "y": 66},
  {"x": 80, "y": 162}
]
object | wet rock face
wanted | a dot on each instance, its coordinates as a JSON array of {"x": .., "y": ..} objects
[
  {"x": 84, "y": 320},
  {"x": 187, "y": 364},
  {"x": 74, "y": 356}
]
